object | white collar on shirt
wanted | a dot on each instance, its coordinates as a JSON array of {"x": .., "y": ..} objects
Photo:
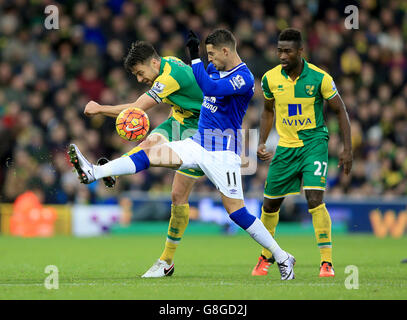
[{"x": 223, "y": 74}]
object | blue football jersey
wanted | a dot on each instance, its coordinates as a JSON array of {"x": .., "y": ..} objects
[{"x": 226, "y": 98}]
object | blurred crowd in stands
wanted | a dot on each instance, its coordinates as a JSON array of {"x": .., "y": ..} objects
[{"x": 48, "y": 76}]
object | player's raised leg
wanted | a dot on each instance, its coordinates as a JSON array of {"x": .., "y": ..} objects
[
  {"x": 152, "y": 140},
  {"x": 157, "y": 156},
  {"x": 181, "y": 189},
  {"x": 160, "y": 156}
]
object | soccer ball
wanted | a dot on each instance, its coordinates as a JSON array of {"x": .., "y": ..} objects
[{"x": 132, "y": 124}]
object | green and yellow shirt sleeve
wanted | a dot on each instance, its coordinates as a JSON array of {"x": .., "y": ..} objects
[
  {"x": 162, "y": 87},
  {"x": 265, "y": 86},
  {"x": 176, "y": 86},
  {"x": 328, "y": 87}
]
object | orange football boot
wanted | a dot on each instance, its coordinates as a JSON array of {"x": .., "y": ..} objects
[
  {"x": 262, "y": 267},
  {"x": 326, "y": 270}
]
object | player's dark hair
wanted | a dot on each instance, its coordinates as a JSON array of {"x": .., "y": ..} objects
[
  {"x": 291, "y": 34},
  {"x": 221, "y": 37},
  {"x": 140, "y": 52}
]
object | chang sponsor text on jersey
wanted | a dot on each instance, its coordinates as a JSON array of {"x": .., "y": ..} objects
[{"x": 226, "y": 98}]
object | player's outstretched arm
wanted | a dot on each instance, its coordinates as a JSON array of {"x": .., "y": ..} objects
[
  {"x": 266, "y": 124},
  {"x": 93, "y": 108},
  {"x": 239, "y": 84},
  {"x": 346, "y": 156}
]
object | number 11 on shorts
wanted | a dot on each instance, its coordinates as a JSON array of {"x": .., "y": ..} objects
[
  {"x": 234, "y": 178},
  {"x": 318, "y": 170}
]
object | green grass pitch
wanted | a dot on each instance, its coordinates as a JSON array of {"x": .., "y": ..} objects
[{"x": 206, "y": 267}]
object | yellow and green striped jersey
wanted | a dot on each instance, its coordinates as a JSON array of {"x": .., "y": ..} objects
[
  {"x": 176, "y": 85},
  {"x": 299, "y": 103}
]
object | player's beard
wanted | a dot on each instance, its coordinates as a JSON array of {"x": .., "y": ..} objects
[
  {"x": 287, "y": 69},
  {"x": 290, "y": 67},
  {"x": 220, "y": 67},
  {"x": 148, "y": 82}
]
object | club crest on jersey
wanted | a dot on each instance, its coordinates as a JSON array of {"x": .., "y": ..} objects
[
  {"x": 309, "y": 89},
  {"x": 158, "y": 87},
  {"x": 237, "y": 82}
]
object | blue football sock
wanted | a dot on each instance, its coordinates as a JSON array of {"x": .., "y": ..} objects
[
  {"x": 256, "y": 229},
  {"x": 242, "y": 218},
  {"x": 140, "y": 160}
]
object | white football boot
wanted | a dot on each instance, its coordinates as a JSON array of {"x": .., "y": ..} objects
[
  {"x": 286, "y": 268},
  {"x": 159, "y": 269},
  {"x": 82, "y": 166}
]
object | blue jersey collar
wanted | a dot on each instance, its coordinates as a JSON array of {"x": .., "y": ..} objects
[{"x": 223, "y": 74}]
